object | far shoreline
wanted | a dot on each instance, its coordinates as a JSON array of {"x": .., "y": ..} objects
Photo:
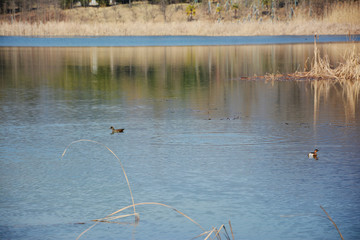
[{"x": 206, "y": 19}]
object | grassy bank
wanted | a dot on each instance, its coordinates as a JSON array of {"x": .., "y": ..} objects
[{"x": 148, "y": 19}]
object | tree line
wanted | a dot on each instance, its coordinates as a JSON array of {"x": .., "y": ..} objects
[
  {"x": 20, "y": 9},
  {"x": 7, "y": 6}
]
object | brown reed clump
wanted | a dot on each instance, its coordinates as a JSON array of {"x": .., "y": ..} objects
[
  {"x": 321, "y": 69},
  {"x": 350, "y": 70}
]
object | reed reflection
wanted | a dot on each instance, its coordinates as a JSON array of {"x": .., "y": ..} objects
[
  {"x": 219, "y": 62},
  {"x": 208, "y": 78},
  {"x": 327, "y": 93}
]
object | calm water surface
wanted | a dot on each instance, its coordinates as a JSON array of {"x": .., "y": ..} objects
[
  {"x": 136, "y": 41},
  {"x": 197, "y": 137}
]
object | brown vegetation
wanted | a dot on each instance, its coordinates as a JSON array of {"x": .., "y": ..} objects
[
  {"x": 172, "y": 19},
  {"x": 349, "y": 70}
]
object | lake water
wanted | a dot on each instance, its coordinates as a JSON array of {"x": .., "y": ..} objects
[
  {"x": 132, "y": 41},
  {"x": 199, "y": 136}
]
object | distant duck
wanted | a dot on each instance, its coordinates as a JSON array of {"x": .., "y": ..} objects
[
  {"x": 120, "y": 130},
  {"x": 313, "y": 154}
]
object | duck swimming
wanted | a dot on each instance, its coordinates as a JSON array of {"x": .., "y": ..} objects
[
  {"x": 313, "y": 154},
  {"x": 120, "y": 130}
]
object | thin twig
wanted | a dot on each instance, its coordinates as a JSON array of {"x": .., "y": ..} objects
[
  {"x": 202, "y": 234},
  {"x": 152, "y": 203},
  {"x": 218, "y": 231},
  {"x": 232, "y": 233},
  {"x": 122, "y": 167},
  {"x": 332, "y": 222},
  {"x": 226, "y": 233},
  {"x": 211, "y": 232},
  {"x": 78, "y": 237}
]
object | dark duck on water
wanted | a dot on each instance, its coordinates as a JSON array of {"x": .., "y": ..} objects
[
  {"x": 313, "y": 154},
  {"x": 120, "y": 130}
]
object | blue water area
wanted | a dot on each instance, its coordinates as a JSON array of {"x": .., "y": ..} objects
[
  {"x": 197, "y": 137},
  {"x": 133, "y": 41}
]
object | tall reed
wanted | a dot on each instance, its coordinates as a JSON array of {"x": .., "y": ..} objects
[{"x": 321, "y": 69}]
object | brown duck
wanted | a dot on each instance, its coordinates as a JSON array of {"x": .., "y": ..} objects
[{"x": 120, "y": 130}]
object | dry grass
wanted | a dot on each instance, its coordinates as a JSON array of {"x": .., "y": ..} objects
[
  {"x": 111, "y": 217},
  {"x": 346, "y": 12},
  {"x": 147, "y": 19},
  {"x": 198, "y": 28},
  {"x": 322, "y": 69}
]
